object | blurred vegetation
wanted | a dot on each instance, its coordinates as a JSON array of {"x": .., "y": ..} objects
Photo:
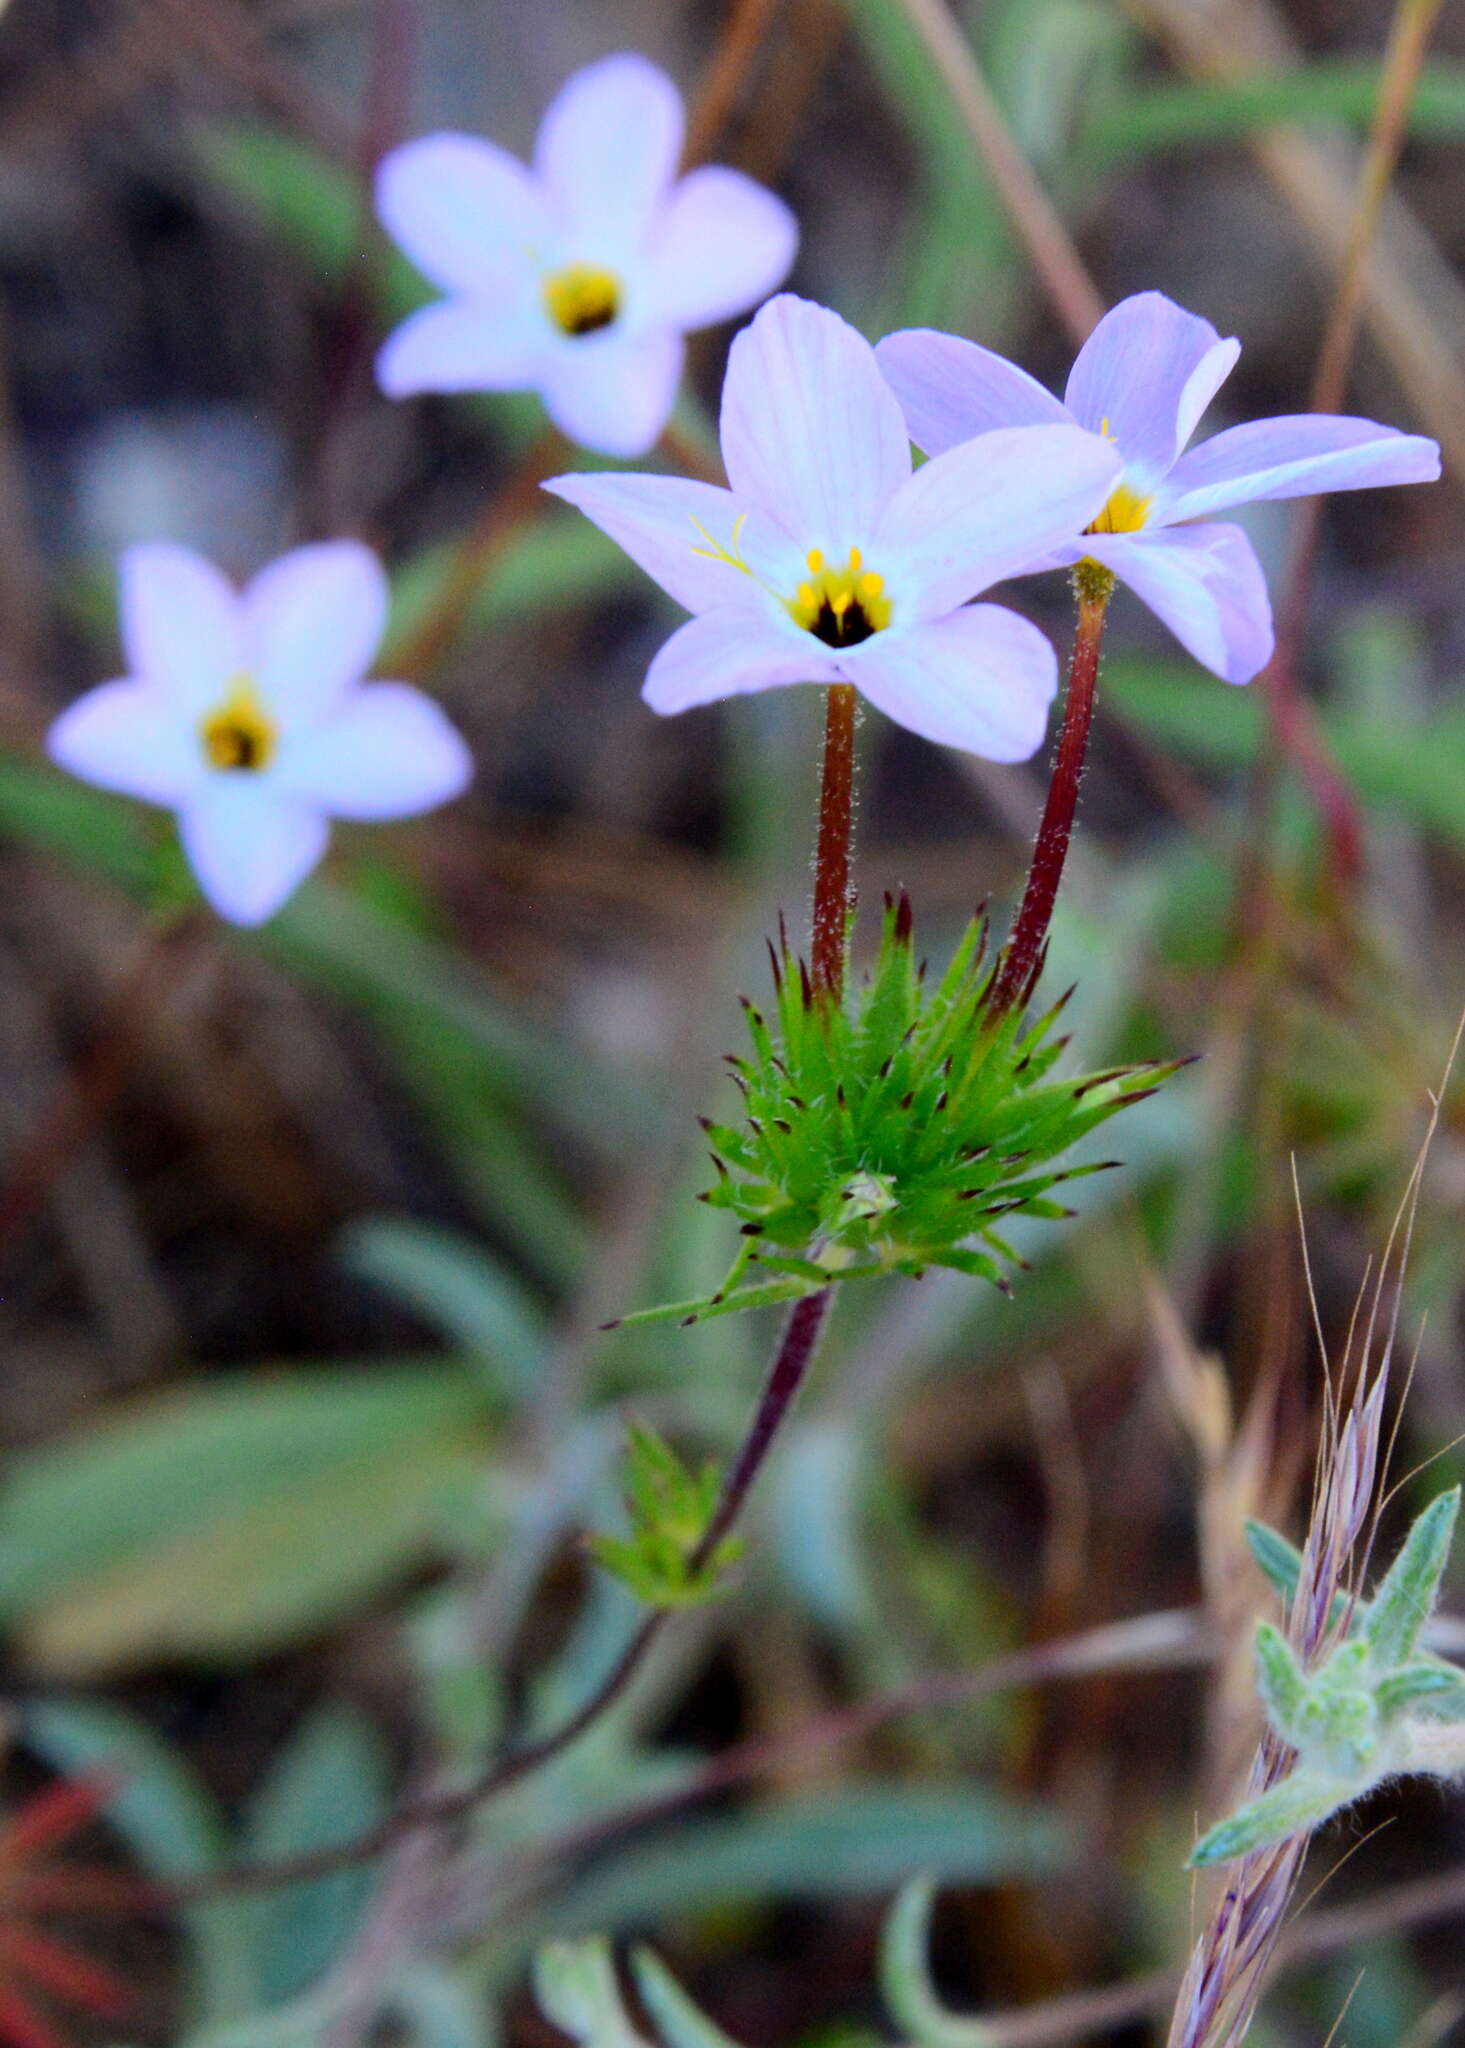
[{"x": 308, "y": 1408}]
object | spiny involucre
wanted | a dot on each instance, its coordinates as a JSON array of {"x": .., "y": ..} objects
[
  {"x": 1375, "y": 1707},
  {"x": 897, "y": 1130}
]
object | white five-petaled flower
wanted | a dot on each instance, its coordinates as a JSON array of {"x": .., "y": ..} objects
[
  {"x": 580, "y": 277},
  {"x": 245, "y": 712},
  {"x": 829, "y": 561},
  {"x": 1142, "y": 380}
]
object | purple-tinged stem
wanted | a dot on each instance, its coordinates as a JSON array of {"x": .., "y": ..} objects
[
  {"x": 829, "y": 927},
  {"x": 1022, "y": 956}
]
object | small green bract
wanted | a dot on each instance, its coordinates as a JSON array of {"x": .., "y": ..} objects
[
  {"x": 669, "y": 1507},
  {"x": 895, "y": 1132}
]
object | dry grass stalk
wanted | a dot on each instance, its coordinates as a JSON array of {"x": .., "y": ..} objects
[{"x": 1223, "y": 1981}]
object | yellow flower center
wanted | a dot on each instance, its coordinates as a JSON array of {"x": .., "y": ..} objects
[
  {"x": 1125, "y": 512},
  {"x": 581, "y": 298},
  {"x": 841, "y": 607},
  {"x": 239, "y": 733}
]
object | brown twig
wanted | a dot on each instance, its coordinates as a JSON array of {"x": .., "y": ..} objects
[
  {"x": 83, "y": 1100},
  {"x": 743, "y": 34},
  {"x": 1293, "y": 721},
  {"x": 504, "y": 517},
  {"x": 1037, "y": 223}
]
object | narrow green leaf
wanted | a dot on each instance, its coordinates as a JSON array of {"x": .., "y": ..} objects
[
  {"x": 679, "y": 2020},
  {"x": 575, "y": 1983},
  {"x": 1296, "y": 1806},
  {"x": 905, "y": 1975},
  {"x": 1281, "y": 1684},
  {"x": 1405, "y": 1600}
]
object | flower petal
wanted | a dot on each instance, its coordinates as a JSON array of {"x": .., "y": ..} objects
[
  {"x": 182, "y": 623},
  {"x": 1207, "y": 585},
  {"x": 466, "y": 212},
  {"x": 1291, "y": 458},
  {"x": 611, "y": 392},
  {"x": 456, "y": 345},
  {"x": 386, "y": 752},
  {"x": 811, "y": 432},
  {"x": 250, "y": 845},
  {"x": 607, "y": 151},
  {"x": 950, "y": 389},
  {"x": 132, "y": 737},
  {"x": 731, "y": 653},
  {"x": 671, "y": 527},
  {"x": 720, "y": 245},
  {"x": 315, "y": 619},
  {"x": 980, "y": 679},
  {"x": 1145, "y": 375},
  {"x": 992, "y": 507}
]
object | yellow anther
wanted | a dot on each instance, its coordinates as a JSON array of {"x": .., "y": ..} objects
[
  {"x": 239, "y": 734},
  {"x": 581, "y": 298},
  {"x": 841, "y": 607},
  {"x": 1126, "y": 512}
]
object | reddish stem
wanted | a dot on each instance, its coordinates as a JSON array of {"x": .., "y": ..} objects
[
  {"x": 1022, "y": 957},
  {"x": 829, "y": 929}
]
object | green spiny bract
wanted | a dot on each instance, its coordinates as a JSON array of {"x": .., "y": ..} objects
[
  {"x": 1376, "y": 1706},
  {"x": 895, "y": 1131},
  {"x": 668, "y": 1506}
]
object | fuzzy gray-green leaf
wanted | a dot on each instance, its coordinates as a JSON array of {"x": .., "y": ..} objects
[
  {"x": 1404, "y": 1601},
  {"x": 1296, "y": 1806}
]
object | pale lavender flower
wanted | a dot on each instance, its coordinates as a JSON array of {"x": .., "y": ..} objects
[
  {"x": 1142, "y": 380},
  {"x": 579, "y": 278},
  {"x": 828, "y": 561},
  {"x": 245, "y": 712}
]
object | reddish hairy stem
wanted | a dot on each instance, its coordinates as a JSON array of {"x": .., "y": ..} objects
[
  {"x": 829, "y": 927},
  {"x": 1022, "y": 956}
]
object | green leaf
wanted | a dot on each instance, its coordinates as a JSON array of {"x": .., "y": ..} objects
[
  {"x": 1441, "y": 1685},
  {"x": 1174, "y": 116},
  {"x": 327, "y": 1787},
  {"x": 440, "y": 2009},
  {"x": 669, "y": 1507},
  {"x": 575, "y": 1983},
  {"x": 679, "y": 2020},
  {"x": 861, "y": 1839},
  {"x": 233, "y": 1517},
  {"x": 174, "y": 1829},
  {"x": 905, "y": 1975},
  {"x": 1405, "y": 1600},
  {"x": 1281, "y": 1684},
  {"x": 1296, "y": 1806},
  {"x": 455, "y": 1285}
]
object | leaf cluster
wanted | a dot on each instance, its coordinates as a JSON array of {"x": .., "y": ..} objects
[
  {"x": 669, "y": 1507},
  {"x": 1375, "y": 1706}
]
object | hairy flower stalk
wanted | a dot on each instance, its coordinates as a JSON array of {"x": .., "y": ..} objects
[
  {"x": 829, "y": 927},
  {"x": 1022, "y": 956}
]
